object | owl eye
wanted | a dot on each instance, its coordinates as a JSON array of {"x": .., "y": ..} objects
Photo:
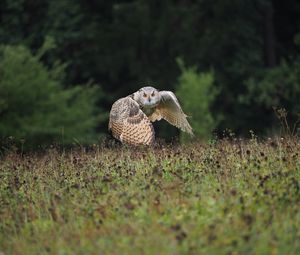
[
  {"x": 144, "y": 95},
  {"x": 153, "y": 94}
]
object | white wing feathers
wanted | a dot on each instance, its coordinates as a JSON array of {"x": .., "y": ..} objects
[{"x": 170, "y": 110}]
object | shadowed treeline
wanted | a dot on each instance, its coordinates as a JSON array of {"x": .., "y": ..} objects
[{"x": 63, "y": 63}]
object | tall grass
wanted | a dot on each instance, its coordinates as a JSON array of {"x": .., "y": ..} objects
[{"x": 227, "y": 197}]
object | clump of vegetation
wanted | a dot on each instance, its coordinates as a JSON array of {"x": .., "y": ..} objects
[{"x": 227, "y": 197}]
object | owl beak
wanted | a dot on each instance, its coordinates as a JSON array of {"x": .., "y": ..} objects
[{"x": 149, "y": 99}]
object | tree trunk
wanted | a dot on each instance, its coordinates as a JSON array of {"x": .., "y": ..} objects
[{"x": 269, "y": 37}]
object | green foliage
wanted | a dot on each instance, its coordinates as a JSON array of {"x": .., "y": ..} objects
[
  {"x": 222, "y": 198},
  {"x": 121, "y": 44},
  {"x": 196, "y": 94},
  {"x": 34, "y": 104},
  {"x": 275, "y": 88}
]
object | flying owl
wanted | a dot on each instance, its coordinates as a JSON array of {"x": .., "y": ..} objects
[{"x": 130, "y": 117}]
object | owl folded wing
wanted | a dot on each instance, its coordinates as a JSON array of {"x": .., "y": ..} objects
[
  {"x": 129, "y": 124},
  {"x": 170, "y": 110}
]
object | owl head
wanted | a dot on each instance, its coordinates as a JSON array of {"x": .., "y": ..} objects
[{"x": 147, "y": 97}]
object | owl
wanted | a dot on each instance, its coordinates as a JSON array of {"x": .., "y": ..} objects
[{"x": 130, "y": 117}]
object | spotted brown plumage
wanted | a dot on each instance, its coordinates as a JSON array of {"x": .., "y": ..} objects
[
  {"x": 129, "y": 124},
  {"x": 130, "y": 117}
]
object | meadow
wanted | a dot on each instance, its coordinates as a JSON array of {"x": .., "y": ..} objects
[{"x": 228, "y": 196}]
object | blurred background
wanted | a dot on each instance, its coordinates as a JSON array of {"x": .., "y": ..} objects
[{"x": 64, "y": 62}]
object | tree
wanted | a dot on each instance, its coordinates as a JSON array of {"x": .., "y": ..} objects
[
  {"x": 273, "y": 88},
  {"x": 196, "y": 94},
  {"x": 34, "y": 105}
]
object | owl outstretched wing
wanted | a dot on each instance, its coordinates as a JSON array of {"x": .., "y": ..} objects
[
  {"x": 129, "y": 124},
  {"x": 170, "y": 110}
]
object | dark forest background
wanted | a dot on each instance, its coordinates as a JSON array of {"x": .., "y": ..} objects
[{"x": 63, "y": 63}]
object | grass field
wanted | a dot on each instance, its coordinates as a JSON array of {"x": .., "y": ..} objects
[{"x": 227, "y": 197}]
